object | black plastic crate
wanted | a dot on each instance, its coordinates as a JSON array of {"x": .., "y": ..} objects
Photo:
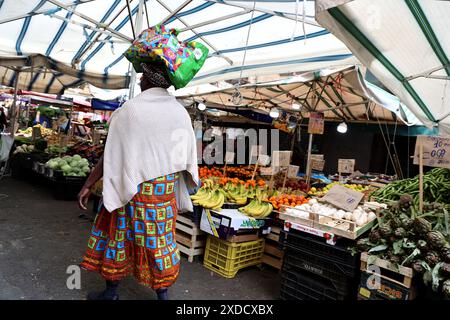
[
  {"x": 196, "y": 215},
  {"x": 343, "y": 277},
  {"x": 339, "y": 253},
  {"x": 308, "y": 286}
]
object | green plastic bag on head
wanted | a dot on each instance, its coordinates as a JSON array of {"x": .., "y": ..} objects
[{"x": 183, "y": 60}]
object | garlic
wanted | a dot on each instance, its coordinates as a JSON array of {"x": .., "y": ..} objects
[
  {"x": 340, "y": 214},
  {"x": 362, "y": 220},
  {"x": 371, "y": 216},
  {"x": 348, "y": 216}
]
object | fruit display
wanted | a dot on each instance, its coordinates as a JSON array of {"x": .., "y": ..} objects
[
  {"x": 24, "y": 148},
  {"x": 419, "y": 241},
  {"x": 215, "y": 192},
  {"x": 257, "y": 209},
  {"x": 28, "y": 132},
  {"x": 86, "y": 150},
  {"x": 287, "y": 199},
  {"x": 321, "y": 192},
  {"x": 239, "y": 191},
  {"x": 240, "y": 172},
  {"x": 75, "y": 166},
  {"x": 436, "y": 186},
  {"x": 291, "y": 183},
  {"x": 361, "y": 215}
]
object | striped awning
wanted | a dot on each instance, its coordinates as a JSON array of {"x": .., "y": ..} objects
[
  {"x": 341, "y": 94},
  {"x": 405, "y": 44},
  {"x": 86, "y": 38}
]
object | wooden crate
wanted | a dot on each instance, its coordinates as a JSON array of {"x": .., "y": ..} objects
[
  {"x": 339, "y": 227},
  {"x": 190, "y": 239},
  {"x": 273, "y": 256},
  {"x": 399, "y": 287}
]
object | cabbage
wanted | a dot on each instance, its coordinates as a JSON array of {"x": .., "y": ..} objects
[
  {"x": 57, "y": 159},
  {"x": 66, "y": 168},
  {"x": 84, "y": 161},
  {"x": 86, "y": 169},
  {"x": 74, "y": 163},
  {"x": 53, "y": 164},
  {"x": 62, "y": 163},
  {"x": 67, "y": 158},
  {"x": 76, "y": 157}
]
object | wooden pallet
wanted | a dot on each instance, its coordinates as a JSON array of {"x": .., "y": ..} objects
[
  {"x": 272, "y": 255},
  {"x": 190, "y": 239}
]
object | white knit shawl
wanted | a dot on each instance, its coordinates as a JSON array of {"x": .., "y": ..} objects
[{"x": 149, "y": 136}]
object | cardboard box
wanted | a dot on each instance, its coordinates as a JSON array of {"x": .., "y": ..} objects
[{"x": 230, "y": 222}]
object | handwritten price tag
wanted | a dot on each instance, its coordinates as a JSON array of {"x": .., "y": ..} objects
[
  {"x": 281, "y": 158},
  {"x": 292, "y": 171},
  {"x": 346, "y": 165},
  {"x": 436, "y": 151},
  {"x": 343, "y": 198},
  {"x": 264, "y": 160}
]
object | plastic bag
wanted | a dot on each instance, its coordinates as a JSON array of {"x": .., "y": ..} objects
[
  {"x": 183, "y": 60},
  {"x": 5, "y": 146}
]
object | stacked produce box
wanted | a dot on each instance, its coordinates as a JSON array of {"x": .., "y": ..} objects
[{"x": 315, "y": 270}]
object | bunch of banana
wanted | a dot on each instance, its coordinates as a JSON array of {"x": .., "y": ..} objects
[
  {"x": 208, "y": 184},
  {"x": 208, "y": 198},
  {"x": 257, "y": 209}
]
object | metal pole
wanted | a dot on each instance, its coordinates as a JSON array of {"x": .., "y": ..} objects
[
  {"x": 98, "y": 24},
  {"x": 308, "y": 161},
  {"x": 138, "y": 28},
  {"x": 12, "y": 118}
]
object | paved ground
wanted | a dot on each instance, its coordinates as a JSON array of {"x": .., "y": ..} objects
[{"x": 40, "y": 237}]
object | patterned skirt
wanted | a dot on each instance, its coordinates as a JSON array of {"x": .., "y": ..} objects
[{"x": 139, "y": 238}]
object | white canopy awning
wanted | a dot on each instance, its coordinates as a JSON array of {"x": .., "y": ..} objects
[
  {"x": 245, "y": 38},
  {"x": 405, "y": 44},
  {"x": 340, "y": 93}
]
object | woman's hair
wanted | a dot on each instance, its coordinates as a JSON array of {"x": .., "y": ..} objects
[{"x": 156, "y": 75}]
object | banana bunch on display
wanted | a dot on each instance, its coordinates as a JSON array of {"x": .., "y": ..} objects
[
  {"x": 236, "y": 194},
  {"x": 209, "y": 196},
  {"x": 257, "y": 209}
]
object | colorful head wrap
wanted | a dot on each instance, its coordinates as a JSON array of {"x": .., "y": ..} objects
[{"x": 181, "y": 59}]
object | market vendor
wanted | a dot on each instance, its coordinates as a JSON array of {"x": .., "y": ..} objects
[{"x": 147, "y": 172}]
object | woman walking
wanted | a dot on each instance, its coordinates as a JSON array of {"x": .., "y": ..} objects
[{"x": 149, "y": 164}]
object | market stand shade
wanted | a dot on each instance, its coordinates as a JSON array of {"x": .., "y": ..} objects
[
  {"x": 341, "y": 94},
  {"x": 269, "y": 35},
  {"x": 405, "y": 44}
]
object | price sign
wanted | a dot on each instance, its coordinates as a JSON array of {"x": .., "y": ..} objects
[
  {"x": 343, "y": 198},
  {"x": 316, "y": 123},
  {"x": 264, "y": 160},
  {"x": 229, "y": 157},
  {"x": 317, "y": 165},
  {"x": 346, "y": 165},
  {"x": 292, "y": 171},
  {"x": 281, "y": 158},
  {"x": 36, "y": 134},
  {"x": 436, "y": 151},
  {"x": 270, "y": 171}
]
